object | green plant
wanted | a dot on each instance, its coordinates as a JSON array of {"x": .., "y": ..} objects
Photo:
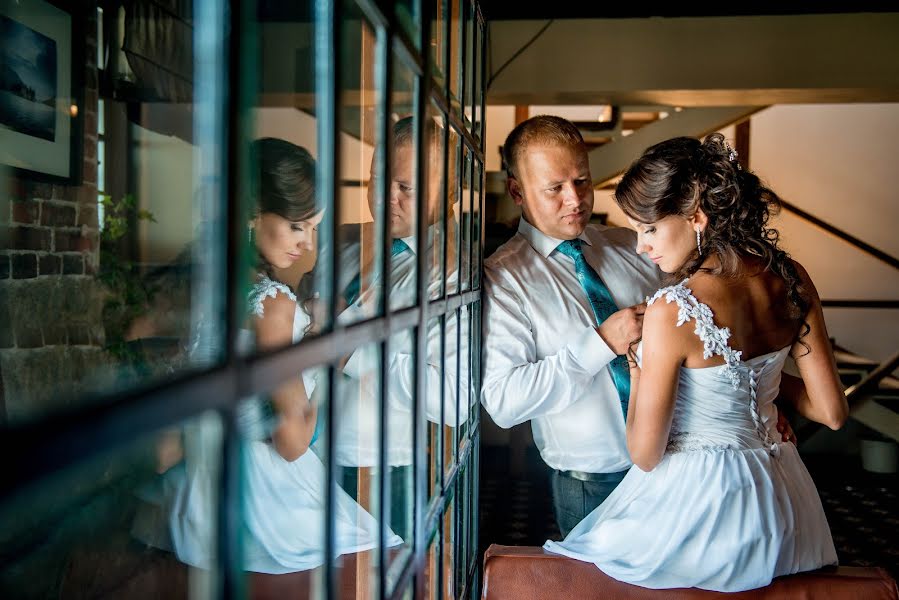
[{"x": 128, "y": 293}]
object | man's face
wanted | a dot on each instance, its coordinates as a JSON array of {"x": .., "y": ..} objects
[
  {"x": 401, "y": 205},
  {"x": 554, "y": 189}
]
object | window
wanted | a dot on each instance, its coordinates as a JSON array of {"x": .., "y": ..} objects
[{"x": 264, "y": 342}]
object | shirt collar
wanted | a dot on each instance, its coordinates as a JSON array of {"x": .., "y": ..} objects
[
  {"x": 541, "y": 242},
  {"x": 410, "y": 241}
]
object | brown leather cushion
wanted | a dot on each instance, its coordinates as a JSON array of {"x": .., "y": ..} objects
[{"x": 518, "y": 572}]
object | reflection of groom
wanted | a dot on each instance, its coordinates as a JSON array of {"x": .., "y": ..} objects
[
  {"x": 356, "y": 442},
  {"x": 553, "y": 332}
]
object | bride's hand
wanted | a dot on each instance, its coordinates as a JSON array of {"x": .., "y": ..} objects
[{"x": 784, "y": 428}]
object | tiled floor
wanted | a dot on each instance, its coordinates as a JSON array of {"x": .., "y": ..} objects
[{"x": 862, "y": 508}]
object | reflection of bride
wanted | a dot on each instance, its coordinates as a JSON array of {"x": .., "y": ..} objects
[{"x": 284, "y": 484}]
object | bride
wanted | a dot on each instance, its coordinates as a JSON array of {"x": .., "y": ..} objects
[
  {"x": 715, "y": 499},
  {"x": 284, "y": 487}
]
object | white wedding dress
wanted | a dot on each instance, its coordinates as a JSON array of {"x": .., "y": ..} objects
[
  {"x": 284, "y": 503},
  {"x": 730, "y": 506}
]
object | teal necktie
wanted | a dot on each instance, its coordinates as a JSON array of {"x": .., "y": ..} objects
[
  {"x": 351, "y": 292},
  {"x": 603, "y": 306}
]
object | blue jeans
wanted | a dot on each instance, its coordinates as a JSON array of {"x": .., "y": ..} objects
[{"x": 574, "y": 499}]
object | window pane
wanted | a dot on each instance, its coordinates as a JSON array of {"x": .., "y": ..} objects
[
  {"x": 432, "y": 568},
  {"x": 284, "y": 484},
  {"x": 476, "y": 200},
  {"x": 475, "y": 371},
  {"x": 139, "y": 521},
  {"x": 360, "y": 284},
  {"x": 478, "y": 82},
  {"x": 451, "y": 391},
  {"x": 464, "y": 374},
  {"x": 401, "y": 209},
  {"x": 465, "y": 220},
  {"x": 283, "y": 208},
  {"x": 463, "y": 514},
  {"x": 435, "y": 403},
  {"x": 110, "y": 305},
  {"x": 454, "y": 231},
  {"x": 438, "y": 42},
  {"x": 357, "y": 410},
  {"x": 400, "y": 449},
  {"x": 449, "y": 551},
  {"x": 469, "y": 62},
  {"x": 437, "y": 232},
  {"x": 455, "y": 58},
  {"x": 408, "y": 14}
]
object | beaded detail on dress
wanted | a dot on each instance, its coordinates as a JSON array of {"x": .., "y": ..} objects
[
  {"x": 714, "y": 338},
  {"x": 266, "y": 288}
]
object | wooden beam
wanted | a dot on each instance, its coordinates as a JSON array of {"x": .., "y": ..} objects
[{"x": 610, "y": 160}]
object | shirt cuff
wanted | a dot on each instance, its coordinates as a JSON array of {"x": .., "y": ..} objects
[{"x": 591, "y": 351}]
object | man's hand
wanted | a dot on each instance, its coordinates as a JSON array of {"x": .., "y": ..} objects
[
  {"x": 784, "y": 428},
  {"x": 622, "y": 328}
]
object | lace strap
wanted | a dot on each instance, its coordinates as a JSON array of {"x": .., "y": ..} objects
[
  {"x": 714, "y": 338},
  {"x": 266, "y": 288}
]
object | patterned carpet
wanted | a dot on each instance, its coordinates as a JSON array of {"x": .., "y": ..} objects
[{"x": 862, "y": 508}]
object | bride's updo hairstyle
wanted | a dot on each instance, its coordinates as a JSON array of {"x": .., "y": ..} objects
[
  {"x": 285, "y": 186},
  {"x": 681, "y": 175}
]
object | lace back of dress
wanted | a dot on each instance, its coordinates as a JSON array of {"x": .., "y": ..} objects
[
  {"x": 266, "y": 288},
  {"x": 714, "y": 340}
]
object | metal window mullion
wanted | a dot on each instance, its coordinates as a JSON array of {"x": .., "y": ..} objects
[
  {"x": 473, "y": 144},
  {"x": 458, "y": 394},
  {"x": 383, "y": 139},
  {"x": 328, "y": 28},
  {"x": 420, "y": 479},
  {"x": 219, "y": 40},
  {"x": 471, "y": 238},
  {"x": 440, "y": 438},
  {"x": 460, "y": 176},
  {"x": 482, "y": 84},
  {"x": 462, "y": 56}
]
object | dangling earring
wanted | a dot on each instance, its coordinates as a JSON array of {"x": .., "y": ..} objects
[
  {"x": 250, "y": 234},
  {"x": 699, "y": 241}
]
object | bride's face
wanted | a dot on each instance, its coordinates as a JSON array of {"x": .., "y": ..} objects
[
  {"x": 669, "y": 242},
  {"x": 282, "y": 242}
]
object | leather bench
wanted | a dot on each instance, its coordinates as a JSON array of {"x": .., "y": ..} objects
[{"x": 531, "y": 573}]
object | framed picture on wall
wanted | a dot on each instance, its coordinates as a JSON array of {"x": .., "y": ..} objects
[{"x": 41, "y": 94}]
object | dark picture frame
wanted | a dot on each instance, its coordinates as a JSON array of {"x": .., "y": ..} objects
[{"x": 41, "y": 90}]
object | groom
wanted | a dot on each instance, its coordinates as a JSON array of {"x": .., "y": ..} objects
[{"x": 562, "y": 304}]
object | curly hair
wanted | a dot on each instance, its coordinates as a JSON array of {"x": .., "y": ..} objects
[{"x": 680, "y": 176}]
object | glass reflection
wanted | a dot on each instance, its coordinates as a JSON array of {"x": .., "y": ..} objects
[
  {"x": 113, "y": 526},
  {"x": 453, "y": 209},
  {"x": 441, "y": 256},
  {"x": 359, "y": 246},
  {"x": 455, "y": 53},
  {"x": 465, "y": 220},
  {"x": 449, "y": 551},
  {"x": 102, "y": 282}
]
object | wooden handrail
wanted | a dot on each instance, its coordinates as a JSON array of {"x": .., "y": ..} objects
[
  {"x": 846, "y": 237},
  {"x": 859, "y": 391}
]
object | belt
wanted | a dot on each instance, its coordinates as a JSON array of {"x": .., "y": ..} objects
[{"x": 597, "y": 477}]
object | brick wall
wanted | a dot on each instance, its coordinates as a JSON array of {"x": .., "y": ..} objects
[{"x": 51, "y": 329}]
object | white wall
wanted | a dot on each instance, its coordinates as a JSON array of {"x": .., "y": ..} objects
[
  {"x": 165, "y": 187},
  {"x": 838, "y": 162}
]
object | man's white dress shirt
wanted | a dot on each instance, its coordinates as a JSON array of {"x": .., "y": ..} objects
[
  {"x": 356, "y": 442},
  {"x": 544, "y": 362}
]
